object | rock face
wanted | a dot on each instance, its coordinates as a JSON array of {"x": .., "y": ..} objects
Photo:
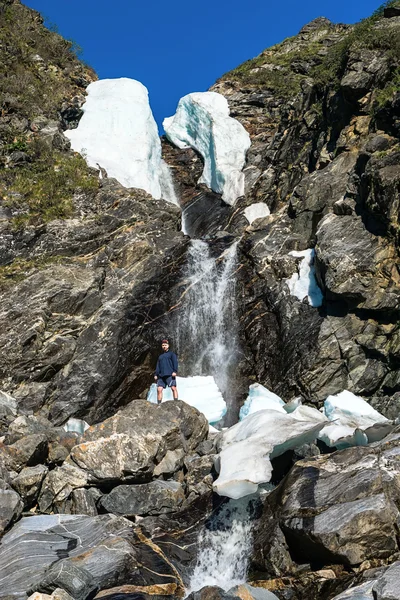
[
  {"x": 92, "y": 275},
  {"x": 95, "y": 301},
  {"x": 339, "y": 508},
  {"x": 79, "y": 555}
]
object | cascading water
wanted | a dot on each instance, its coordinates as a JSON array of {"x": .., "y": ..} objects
[
  {"x": 225, "y": 547},
  {"x": 167, "y": 184},
  {"x": 207, "y": 338}
]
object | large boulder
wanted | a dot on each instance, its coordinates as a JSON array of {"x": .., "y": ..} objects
[
  {"x": 339, "y": 508},
  {"x": 80, "y": 555},
  {"x": 128, "y": 446},
  {"x": 154, "y": 498}
]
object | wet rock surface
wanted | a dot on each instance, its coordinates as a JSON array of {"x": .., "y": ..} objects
[{"x": 85, "y": 298}]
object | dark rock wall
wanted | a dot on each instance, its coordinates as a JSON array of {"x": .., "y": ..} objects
[{"x": 323, "y": 112}]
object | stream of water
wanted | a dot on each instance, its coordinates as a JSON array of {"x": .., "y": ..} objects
[
  {"x": 225, "y": 547},
  {"x": 207, "y": 337}
]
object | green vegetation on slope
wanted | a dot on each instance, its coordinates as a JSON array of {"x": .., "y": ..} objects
[
  {"x": 35, "y": 65},
  {"x": 39, "y": 72},
  {"x": 43, "y": 190},
  {"x": 283, "y": 67}
]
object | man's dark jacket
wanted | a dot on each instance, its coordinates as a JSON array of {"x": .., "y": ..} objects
[{"x": 167, "y": 364}]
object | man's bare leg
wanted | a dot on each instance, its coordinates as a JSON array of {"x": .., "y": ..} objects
[
  {"x": 159, "y": 394},
  {"x": 174, "y": 392}
]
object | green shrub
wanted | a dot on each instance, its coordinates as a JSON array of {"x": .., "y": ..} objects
[
  {"x": 47, "y": 185},
  {"x": 386, "y": 94}
]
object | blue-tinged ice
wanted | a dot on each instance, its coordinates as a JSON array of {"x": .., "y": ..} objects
[
  {"x": 246, "y": 449},
  {"x": 76, "y": 426},
  {"x": 202, "y": 122},
  {"x": 118, "y": 133},
  {"x": 199, "y": 391},
  {"x": 260, "y": 398},
  {"x": 353, "y": 421},
  {"x": 303, "y": 284}
]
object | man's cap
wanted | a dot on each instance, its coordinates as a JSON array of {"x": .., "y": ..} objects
[{"x": 164, "y": 341}]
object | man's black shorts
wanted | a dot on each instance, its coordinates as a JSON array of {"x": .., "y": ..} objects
[{"x": 166, "y": 381}]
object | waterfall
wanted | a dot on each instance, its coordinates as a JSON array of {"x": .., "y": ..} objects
[
  {"x": 225, "y": 547},
  {"x": 207, "y": 339},
  {"x": 167, "y": 184}
]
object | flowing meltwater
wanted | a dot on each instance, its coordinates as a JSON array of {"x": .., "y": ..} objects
[
  {"x": 225, "y": 547},
  {"x": 207, "y": 321}
]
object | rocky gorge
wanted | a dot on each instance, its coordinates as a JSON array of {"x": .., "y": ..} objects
[{"x": 106, "y": 495}]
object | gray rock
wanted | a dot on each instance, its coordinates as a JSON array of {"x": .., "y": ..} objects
[
  {"x": 128, "y": 445},
  {"x": 211, "y": 592},
  {"x": 343, "y": 506},
  {"x": 155, "y": 498},
  {"x": 83, "y": 502},
  {"x": 355, "y": 265},
  {"x": 387, "y": 586},
  {"x": 172, "y": 461},
  {"x": 27, "y": 425},
  {"x": 8, "y": 405},
  {"x": 198, "y": 468},
  {"x": 359, "y": 592},
  {"x": 28, "y": 451},
  {"x": 28, "y": 483},
  {"x": 59, "y": 484},
  {"x": 11, "y": 507},
  {"x": 75, "y": 580},
  {"x": 36, "y": 543},
  {"x": 245, "y": 590}
]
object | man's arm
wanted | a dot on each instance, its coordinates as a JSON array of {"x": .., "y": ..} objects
[
  {"x": 175, "y": 362},
  {"x": 157, "y": 369}
]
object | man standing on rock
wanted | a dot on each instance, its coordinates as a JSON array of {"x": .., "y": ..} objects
[{"x": 166, "y": 369}]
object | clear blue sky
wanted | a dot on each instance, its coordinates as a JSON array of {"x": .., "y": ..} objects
[{"x": 179, "y": 46}]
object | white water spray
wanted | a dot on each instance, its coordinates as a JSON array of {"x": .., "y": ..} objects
[
  {"x": 167, "y": 184},
  {"x": 207, "y": 322},
  {"x": 225, "y": 548}
]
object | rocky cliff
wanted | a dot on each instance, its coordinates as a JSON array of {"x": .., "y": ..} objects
[
  {"x": 92, "y": 275},
  {"x": 322, "y": 110}
]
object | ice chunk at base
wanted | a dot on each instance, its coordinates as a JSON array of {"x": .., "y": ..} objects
[
  {"x": 260, "y": 398},
  {"x": 304, "y": 284},
  {"x": 247, "y": 447},
  {"x": 351, "y": 410},
  {"x": 118, "y": 132},
  {"x": 354, "y": 421},
  {"x": 341, "y": 436},
  {"x": 258, "y": 210},
  {"x": 76, "y": 426},
  {"x": 199, "y": 391},
  {"x": 202, "y": 122}
]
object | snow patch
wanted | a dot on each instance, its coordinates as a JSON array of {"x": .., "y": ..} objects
[
  {"x": 199, "y": 391},
  {"x": 118, "y": 133},
  {"x": 304, "y": 284},
  {"x": 258, "y": 210},
  {"x": 202, "y": 122}
]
